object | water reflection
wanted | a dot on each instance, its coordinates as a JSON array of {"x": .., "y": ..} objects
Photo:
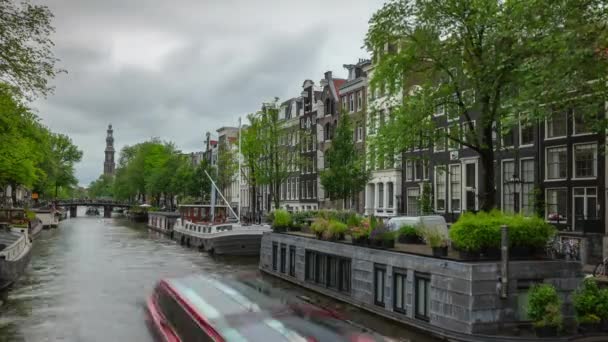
[{"x": 89, "y": 278}]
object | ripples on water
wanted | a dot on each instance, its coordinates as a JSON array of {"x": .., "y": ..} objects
[{"x": 88, "y": 280}]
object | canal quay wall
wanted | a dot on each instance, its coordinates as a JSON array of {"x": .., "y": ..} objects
[{"x": 463, "y": 300}]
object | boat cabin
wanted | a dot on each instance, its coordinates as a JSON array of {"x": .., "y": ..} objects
[
  {"x": 199, "y": 308},
  {"x": 203, "y": 213},
  {"x": 12, "y": 215}
]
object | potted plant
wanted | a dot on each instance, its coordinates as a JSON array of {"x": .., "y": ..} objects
[
  {"x": 360, "y": 235},
  {"x": 319, "y": 226},
  {"x": 336, "y": 230},
  {"x": 588, "y": 306},
  {"x": 388, "y": 239},
  {"x": 544, "y": 309},
  {"x": 376, "y": 235},
  {"x": 602, "y": 308},
  {"x": 281, "y": 220},
  {"x": 438, "y": 242},
  {"x": 409, "y": 234}
]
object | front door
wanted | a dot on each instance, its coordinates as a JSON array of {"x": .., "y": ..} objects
[{"x": 470, "y": 183}]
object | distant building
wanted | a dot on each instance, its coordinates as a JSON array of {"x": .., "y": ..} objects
[{"x": 109, "y": 165}]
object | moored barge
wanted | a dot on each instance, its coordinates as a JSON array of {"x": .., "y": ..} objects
[{"x": 452, "y": 299}]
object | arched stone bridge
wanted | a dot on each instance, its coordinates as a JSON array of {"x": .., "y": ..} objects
[{"x": 107, "y": 205}]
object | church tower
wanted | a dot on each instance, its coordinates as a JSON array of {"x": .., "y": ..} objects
[{"x": 108, "y": 164}]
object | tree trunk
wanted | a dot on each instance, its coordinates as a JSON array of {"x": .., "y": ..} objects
[
  {"x": 56, "y": 188},
  {"x": 487, "y": 196},
  {"x": 14, "y": 193}
]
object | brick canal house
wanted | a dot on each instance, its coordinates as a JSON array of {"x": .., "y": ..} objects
[
  {"x": 290, "y": 112},
  {"x": 353, "y": 99},
  {"x": 383, "y": 191},
  {"x": 326, "y": 127},
  {"x": 309, "y": 155},
  {"x": 556, "y": 168}
]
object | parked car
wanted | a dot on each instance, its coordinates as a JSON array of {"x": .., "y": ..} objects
[{"x": 422, "y": 222}]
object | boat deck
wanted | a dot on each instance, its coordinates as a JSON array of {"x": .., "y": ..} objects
[{"x": 8, "y": 238}]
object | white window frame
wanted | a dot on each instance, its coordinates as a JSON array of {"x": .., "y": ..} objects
[
  {"x": 502, "y": 138},
  {"x": 448, "y": 140},
  {"x": 595, "y": 167},
  {"x": 462, "y": 130},
  {"x": 521, "y": 144},
  {"x": 521, "y": 192},
  {"x": 351, "y": 102},
  {"x": 407, "y": 196},
  {"x": 360, "y": 99},
  {"x": 547, "y": 163},
  {"x": 450, "y": 166},
  {"x": 439, "y": 110},
  {"x": 502, "y": 183},
  {"x": 546, "y": 205},
  {"x": 359, "y": 133},
  {"x": 585, "y": 196},
  {"x": 440, "y": 169},
  {"x": 547, "y": 129},
  {"x": 574, "y": 133},
  {"x": 409, "y": 170},
  {"x": 463, "y": 200},
  {"x": 445, "y": 140}
]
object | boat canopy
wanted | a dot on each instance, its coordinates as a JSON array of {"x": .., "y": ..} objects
[{"x": 250, "y": 310}]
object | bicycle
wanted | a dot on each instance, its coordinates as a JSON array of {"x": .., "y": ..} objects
[{"x": 601, "y": 269}]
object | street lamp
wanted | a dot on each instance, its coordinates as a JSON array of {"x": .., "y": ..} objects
[{"x": 513, "y": 187}]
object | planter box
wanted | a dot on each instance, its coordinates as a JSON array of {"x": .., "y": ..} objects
[
  {"x": 546, "y": 331},
  {"x": 388, "y": 243},
  {"x": 440, "y": 252},
  {"x": 410, "y": 239}
]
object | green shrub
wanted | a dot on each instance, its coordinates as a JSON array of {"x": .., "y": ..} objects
[
  {"x": 589, "y": 319},
  {"x": 543, "y": 298},
  {"x": 387, "y": 236},
  {"x": 336, "y": 228},
  {"x": 359, "y": 232},
  {"x": 319, "y": 225},
  {"x": 409, "y": 231},
  {"x": 30, "y": 215},
  {"x": 282, "y": 219},
  {"x": 602, "y": 304},
  {"x": 552, "y": 318},
  {"x": 434, "y": 237},
  {"x": 354, "y": 220},
  {"x": 475, "y": 232},
  {"x": 587, "y": 301},
  {"x": 303, "y": 217}
]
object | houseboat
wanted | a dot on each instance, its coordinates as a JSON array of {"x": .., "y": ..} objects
[
  {"x": 200, "y": 308},
  {"x": 48, "y": 217},
  {"x": 453, "y": 299},
  {"x": 206, "y": 227},
  {"x": 162, "y": 222},
  {"x": 15, "y": 253},
  {"x": 17, "y": 218}
]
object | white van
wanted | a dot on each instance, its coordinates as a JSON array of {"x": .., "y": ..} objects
[{"x": 431, "y": 221}]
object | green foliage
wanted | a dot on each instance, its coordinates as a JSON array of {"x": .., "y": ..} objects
[
  {"x": 282, "y": 219},
  {"x": 227, "y": 165},
  {"x": 302, "y": 217},
  {"x": 337, "y": 228},
  {"x": 358, "y": 232},
  {"x": 30, "y": 215},
  {"x": 589, "y": 301},
  {"x": 544, "y": 305},
  {"x": 102, "y": 187},
  {"x": 346, "y": 174},
  {"x": 426, "y": 199},
  {"x": 589, "y": 319},
  {"x": 434, "y": 237},
  {"x": 474, "y": 232},
  {"x": 490, "y": 58},
  {"x": 319, "y": 226},
  {"x": 409, "y": 231},
  {"x": 389, "y": 235},
  {"x": 26, "y": 59},
  {"x": 354, "y": 220}
]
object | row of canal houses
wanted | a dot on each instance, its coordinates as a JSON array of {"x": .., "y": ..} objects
[{"x": 558, "y": 163}]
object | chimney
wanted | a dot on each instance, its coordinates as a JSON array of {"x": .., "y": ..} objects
[{"x": 328, "y": 75}]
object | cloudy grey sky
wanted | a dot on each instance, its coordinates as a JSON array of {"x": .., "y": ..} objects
[{"x": 176, "y": 69}]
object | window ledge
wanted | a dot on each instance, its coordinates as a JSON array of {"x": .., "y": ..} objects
[
  {"x": 556, "y": 138},
  {"x": 582, "y": 134},
  {"x": 584, "y": 178},
  {"x": 526, "y": 146},
  {"x": 556, "y": 180}
]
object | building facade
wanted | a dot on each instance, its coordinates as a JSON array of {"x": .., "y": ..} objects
[
  {"x": 353, "y": 102},
  {"x": 383, "y": 192},
  {"x": 327, "y": 122},
  {"x": 309, "y": 175},
  {"x": 109, "y": 165}
]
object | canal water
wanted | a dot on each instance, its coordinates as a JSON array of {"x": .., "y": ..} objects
[{"x": 89, "y": 278}]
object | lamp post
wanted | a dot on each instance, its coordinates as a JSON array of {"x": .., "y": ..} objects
[{"x": 513, "y": 186}]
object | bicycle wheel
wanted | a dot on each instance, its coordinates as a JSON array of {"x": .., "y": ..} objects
[{"x": 600, "y": 270}]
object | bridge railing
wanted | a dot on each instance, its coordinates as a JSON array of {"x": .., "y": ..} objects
[{"x": 93, "y": 202}]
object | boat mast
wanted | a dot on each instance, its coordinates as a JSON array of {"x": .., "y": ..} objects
[
  {"x": 214, "y": 186},
  {"x": 239, "y": 173}
]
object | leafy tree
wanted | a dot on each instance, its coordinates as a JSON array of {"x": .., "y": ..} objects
[
  {"x": 252, "y": 150},
  {"x": 102, "y": 187},
  {"x": 496, "y": 61},
  {"x": 201, "y": 185},
  {"x": 346, "y": 175},
  {"x": 227, "y": 165},
  {"x": 26, "y": 60},
  {"x": 59, "y": 164}
]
